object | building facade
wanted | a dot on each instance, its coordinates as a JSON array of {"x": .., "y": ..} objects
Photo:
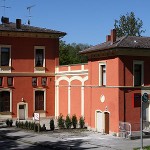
[
  {"x": 107, "y": 90},
  {"x": 28, "y": 56}
]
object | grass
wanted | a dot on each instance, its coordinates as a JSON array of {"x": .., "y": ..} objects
[{"x": 144, "y": 148}]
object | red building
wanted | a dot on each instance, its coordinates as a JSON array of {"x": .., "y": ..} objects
[
  {"x": 107, "y": 90},
  {"x": 28, "y": 56}
]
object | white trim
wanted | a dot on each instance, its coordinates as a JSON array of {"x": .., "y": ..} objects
[
  {"x": 34, "y": 98},
  {"x": 35, "y": 70},
  {"x": 10, "y": 91},
  {"x": 69, "y": 80},
  {"x": 100, "y": 72},
  {"x": 26, "y": 109},
  {"x": 6, "y": 70},
  {"x": 142, "y": 76}
]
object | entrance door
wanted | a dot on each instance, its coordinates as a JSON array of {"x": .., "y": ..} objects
[
  {"x": 21, "y": 112},
  {"x": 99, "y": 121},
  {"x": 106, "y": 122}
]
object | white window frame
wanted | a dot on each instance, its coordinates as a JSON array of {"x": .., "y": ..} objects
[
  {"x": 142, "y": 75},
  {"x": 6, "y": 69},
  {"x": 1, "y": 90},
  {"x": 100, "y": 73},
  {"x": 39, "y": 69},
  {"x": 44, "y": 98}
]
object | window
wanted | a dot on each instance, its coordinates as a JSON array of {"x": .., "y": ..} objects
[
  {"x": 5, "y": 56},
  {"x": 39, "y": 58},
  {"x": 44, "y": 81},
  {"x": 10, "y": 81},
  {"x": 138, "y": 73},
  {"x": 39, "y": 100},
  {"x": 102, "y": 74},
  {"x": 34, "y": 81},
  {"x": 1, "y": 81},
  {"x": 4, "y": 101}
]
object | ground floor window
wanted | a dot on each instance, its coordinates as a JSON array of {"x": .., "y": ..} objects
[
  {"x": 39, "y": 100},
  {"x": 4, "y": 101}
]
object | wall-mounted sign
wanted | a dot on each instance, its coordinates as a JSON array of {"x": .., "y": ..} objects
[
  {"x": 102, "y": 98},
  {"x": 36, "y": 116}
]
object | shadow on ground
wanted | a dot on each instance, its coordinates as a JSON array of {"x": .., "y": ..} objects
[{"x": 17, "y": 142}]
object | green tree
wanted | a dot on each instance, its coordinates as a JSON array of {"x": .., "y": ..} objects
[
  {"x": 129, "y": 25},
  {"x": 69, "y": 53}
]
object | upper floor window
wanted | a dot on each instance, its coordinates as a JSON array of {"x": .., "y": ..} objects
[
  {"x": 102, "y": 74},
  {"x": 5, "y": 56},
  {"x": 10, "y": 81},
  {"x": 138, "y": 73},
  {"x": 39, "y": 58}
]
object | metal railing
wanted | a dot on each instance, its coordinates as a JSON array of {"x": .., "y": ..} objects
[{"x": 125, "y": 129}]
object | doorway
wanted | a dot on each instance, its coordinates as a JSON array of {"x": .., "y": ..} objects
[
  {"x": 21, "y": 112},
  {"x": 106, "y": 127},
  {"x": 99, "y": 121}
]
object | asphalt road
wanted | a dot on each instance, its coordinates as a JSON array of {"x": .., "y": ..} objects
[{"x": 7, "y": 144}]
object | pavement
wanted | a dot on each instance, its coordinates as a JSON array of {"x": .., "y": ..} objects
[{"x": 71, "y": 139}]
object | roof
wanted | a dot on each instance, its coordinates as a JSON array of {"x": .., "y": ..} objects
[
  {"x": 26, "y": 28},
  {"x": 123, "y": 42}
]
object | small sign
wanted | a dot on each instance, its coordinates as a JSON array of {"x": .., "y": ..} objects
[
  {"x": 36, "y": 116},
  {"x": 145, "y": 97}
]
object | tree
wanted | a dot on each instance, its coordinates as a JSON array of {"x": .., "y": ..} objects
[
  {"x": 129, "y": 25},
  {"x": 69, "y": 53}
]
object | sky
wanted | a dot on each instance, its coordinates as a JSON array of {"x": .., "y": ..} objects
[{"x": 84, "y": 21}]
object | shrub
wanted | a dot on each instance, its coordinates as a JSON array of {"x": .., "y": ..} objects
[
  {"x": 52, "y": 126},
  {"x": 36, "y": 128},
  {"x": 74, "y": 121},
  {"x": 68, "y": 122},
  {"x": 81, "y": 122},
  {"x": 9, "y": 122},
  {"x": 26, "y": 125},
  {"x": 17, "y": 124},
  {"x": 61, "y": 121},
  {"x": 43, "y": 128}
]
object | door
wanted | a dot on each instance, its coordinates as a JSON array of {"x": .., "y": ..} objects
[
  {"x": 106, "y": 122},
  {"x": 21, "y": 112},
  {"x": 99, "y": 121}
]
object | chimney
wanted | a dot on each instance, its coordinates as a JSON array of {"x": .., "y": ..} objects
[
  {"x": 113, "y": 35},
  {"x": 108, "y": 38},
  {"x": 5, "y": 20},
  {"x": 18, "y": 23}
]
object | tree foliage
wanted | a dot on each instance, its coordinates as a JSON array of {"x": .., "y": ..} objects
[
  {"x": 69, "y": 53},
  {"x": 129, "y": 25}
]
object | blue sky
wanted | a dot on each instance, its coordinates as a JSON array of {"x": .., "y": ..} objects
[{"x": 84, "y": 21}]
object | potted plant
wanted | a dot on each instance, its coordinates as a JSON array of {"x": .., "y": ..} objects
[{"x": 81, "y": 122}]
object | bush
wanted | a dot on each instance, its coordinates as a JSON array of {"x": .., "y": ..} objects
[
  {"x": 68, "y": 122},
  {"x": 9, "y": 122},
  {"x": 81, "y": 122},
  {"x": 43, "y": 128},
  {"x": 74, "y": 121},
  {"x": 26, "y": 125},
  {"x": 52, "y": 126},
  {"x": 17, "y": 124},
  {"x": 61, "y": 122}
]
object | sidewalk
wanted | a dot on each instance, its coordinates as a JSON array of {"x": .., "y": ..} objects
[{"x": 69, "y": 139}]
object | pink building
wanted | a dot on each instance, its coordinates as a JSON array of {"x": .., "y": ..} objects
[{"x": 107, "y": 90}]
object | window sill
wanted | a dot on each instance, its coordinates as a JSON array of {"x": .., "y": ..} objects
[
  {"x": 40, "y": 111},
  {"x": 5, "y": 113},
  {"x": 39, "y": 68}
]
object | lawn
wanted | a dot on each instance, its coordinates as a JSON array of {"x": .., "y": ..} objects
[{"x": 144, "y": 148}]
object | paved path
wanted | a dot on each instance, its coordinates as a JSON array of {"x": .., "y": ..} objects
[{"x": 71, "y": 140}]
